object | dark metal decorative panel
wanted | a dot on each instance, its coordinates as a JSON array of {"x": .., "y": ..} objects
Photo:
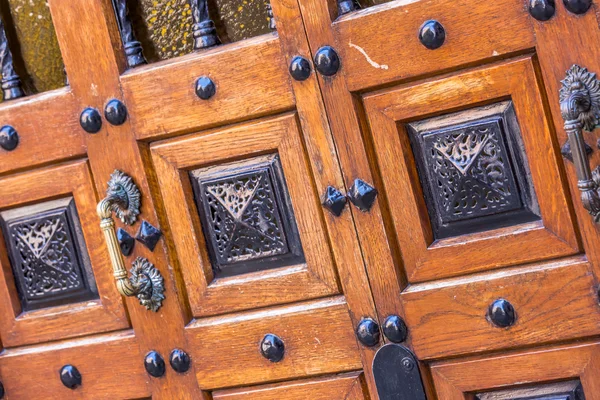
[
  {"x": 47, "y": 254},
  {"x": 246, "y": 216},
  {"x": 571, "y": 390},
  {"x": 472, "y": 168}
]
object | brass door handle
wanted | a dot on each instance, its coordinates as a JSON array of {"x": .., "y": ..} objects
[
  {"x": 580, "y": 109},
  {"x": 146, "y": 282}
]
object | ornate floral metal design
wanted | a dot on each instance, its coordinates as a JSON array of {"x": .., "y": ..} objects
[
  {"x": 48, "y": 254},
  {"x": 146, "y": 282},
  {"x": 204, "y": 31},
  {"x": 467, "y": 168},
  {"x": 11, "y": 83},
  {"x": 246, "y": 216},
  {"x": 133, "y": 48},
  {"x": 580, "y": 108}
]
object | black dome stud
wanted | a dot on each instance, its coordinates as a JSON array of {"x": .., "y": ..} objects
[
  {"x": 90, "y": 120},
  {"x": 327, "y": 61},
  {"x": 154, "y": 364},
  {"x": 502, "y": 314},
  {"x": 115, "y": 112},
  {"x": 367, "y": 332},
  {"x": 70, "y": 376},
  {"x": 300, "y": 68},
  {"x": 395, "y": 329},
  {"x": 9, "y": 138},
  {"x": 577, "y": 6},
  {"x": 272, "y": 348},
  {"x": 205, "y": 88},
  {"x": 180, "y": 361},
  {"x": 126, "y": 242},
  {"x": 362, "y": 195},
  {"x": 334, "y": 201},
  {"x": 432, "y": 34},
  {"x": 542, "y": 10}
]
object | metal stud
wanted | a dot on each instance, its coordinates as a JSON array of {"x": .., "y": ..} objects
[
  {"x": 148, "y": 235},
  {"x": 334, "y": 201},
  {"x": 180, "y": 361},
  {"x": 345, "y": 6},
  {"x": 154, "y": 364},
  {"x": 432, "y": 34},
  {"x": 90, "y": 120},
  {"x": 203, "y": 30},
  {"x": 502, "y": 314},
  {"x": 70, "y": 376},
  {"x": 272, "y": 348},
  {"x": 115, "y": 112},
  {"x": 11, "y": 83},
  {"x": 300, "y": 68},
  {"x": 9, "y": 138},
  {"x": 126, "y": 242},
  {"x": 542, "y": 10},
  {"x": 367, "y": 332},
  {"x": 205, "y": 88},
  {"x": 577, "y": 6},
  {"x": 133, "y": 48},
  {"x": 327, "y": 61},
  {"x": 362, "y": 195},
  {"x": 395, "y": 329}
]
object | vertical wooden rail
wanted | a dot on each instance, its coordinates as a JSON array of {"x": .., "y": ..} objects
[{"x": 94, "y": 58}]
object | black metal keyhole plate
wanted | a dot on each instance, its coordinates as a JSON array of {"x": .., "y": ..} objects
[
  {"x": 90, "y": 120},
  {"x": 9, "y": 138},
  {"x": 327, "y": 61},
  {"x": 300, "y": 68},
  {"x": 397, "y": 375},
  {"x": 115, "y": 112},
  {"x": 432, "y": 34}
]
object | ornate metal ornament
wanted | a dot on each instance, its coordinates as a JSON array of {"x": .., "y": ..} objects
[
  {"x": 397, "y": 375},
  {"x": 11, "y": 83},
  {"x": 580, "y": 108},
  {"x": 133, "y": 48},
  {"x": 146, "y": 282},
  {"x": 204, "y": 32}
]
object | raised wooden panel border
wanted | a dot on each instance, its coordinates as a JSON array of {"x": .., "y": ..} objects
[
  {"x": 348, "y": 386},
  {"x": 104, "y": 314},
  {"x": 48, "y": 128},
  {"x": 173, "y": 159},
  {"x": 318, "y": 337},
  {"x": 473, "y": 35},
  {"x": 456, "y": 380},
  {"x": 251, "y": 80},
  {"x": 553, "y": 301},
  {"x": 425, "y": 259},
  {"x": 110, "y": 366}
]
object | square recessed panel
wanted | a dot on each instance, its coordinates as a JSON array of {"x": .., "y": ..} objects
[
  {"x": 246, "y": 216},
  {"x": 472, "y": 168},
  {"x": 47, "y": 254}
]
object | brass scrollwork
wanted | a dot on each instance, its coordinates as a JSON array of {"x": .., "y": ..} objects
[
  {"x": 146, "y": 282},
  {"x": 580, "y": 109}
]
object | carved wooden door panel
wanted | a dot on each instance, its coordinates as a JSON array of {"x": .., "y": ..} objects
[
  {"x": 205, "y": 186},
  {"x": 478, "y": 240}
]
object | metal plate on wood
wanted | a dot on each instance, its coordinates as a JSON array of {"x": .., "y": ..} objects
[
  {"x": 246, "y": 216},
  {"x": 473, "y": 171},
  {"x": 397, "y": 374},
  {"x": 48, "y": 255}
]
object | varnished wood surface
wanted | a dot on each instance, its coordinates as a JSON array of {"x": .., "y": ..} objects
[
  {"x": 318, "y": 338},
  {"x": 340, "y": 387}
]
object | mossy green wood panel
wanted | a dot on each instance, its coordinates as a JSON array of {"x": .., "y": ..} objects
[
  {"x": 165, "y": 26},
  {"x": 33, "y": 42}
]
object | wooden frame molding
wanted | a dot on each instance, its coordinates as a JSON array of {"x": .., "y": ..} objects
[{"x": 426, "y": 259}]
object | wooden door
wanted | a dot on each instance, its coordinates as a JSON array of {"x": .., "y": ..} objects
[
  {"x": 230, "y": 149},
  {"x": 478, "y": 239}
]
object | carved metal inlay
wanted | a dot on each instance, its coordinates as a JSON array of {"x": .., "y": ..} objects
[
  {"x": 124, "y": 196},
  {"x": 473, "y": 170},
  {"x": 580, "y": 108},
  {"x": 11, "y": 83},
  {"x": 246, "y": 216},
  {"x": 571, "y": 390},
  {"x": 48, "y": 254},
  {"x": 148, "y": 283}
]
